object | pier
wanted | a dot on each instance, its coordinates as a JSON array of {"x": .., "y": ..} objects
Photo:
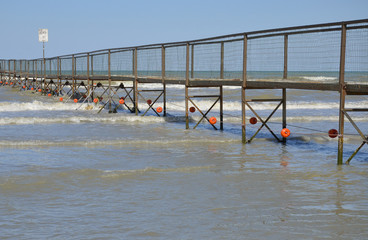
[{"x": 267, "y": 59}]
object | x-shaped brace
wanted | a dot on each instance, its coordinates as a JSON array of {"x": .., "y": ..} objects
[
  {"x": 264, "y": 122},
  {"x": 365, "y": 138},
  {"x": 204, "y": 115}
]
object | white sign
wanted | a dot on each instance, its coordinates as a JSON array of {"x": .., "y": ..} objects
[{"x": 43, "y": 35}]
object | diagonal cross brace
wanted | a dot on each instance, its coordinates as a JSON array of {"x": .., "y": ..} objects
[
  {"x": 204, "y": 115},
  {"x": 365, "y": 138},
  {"x": 264, "y": 123}
]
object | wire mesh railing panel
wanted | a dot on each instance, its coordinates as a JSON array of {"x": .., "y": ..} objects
[
  {"x": 175, "y": 62},
  {"x": 11, "y": 65},
  {"x": 121, "y": 63},
  {"x": 233, "y": 59},
  {"x": 265, "y": 58},
  {"x": 356, "y": 67},
  {"x": 39, "y": 69},
  {"x": 80, "y": 65},
  {"x": 54, "y": 66},
  {"x": 314, "y": 56},
  {"x": 99, "y": 64},
  {"x": 206, "y": 60},
  {"x": 149, "y": 62},
  {"x": 66, "y": 66}
]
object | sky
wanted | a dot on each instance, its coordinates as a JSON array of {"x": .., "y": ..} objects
[{"x": 86, "y": 25}]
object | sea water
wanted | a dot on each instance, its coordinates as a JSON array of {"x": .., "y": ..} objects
[{"x": 68, "y": 172}]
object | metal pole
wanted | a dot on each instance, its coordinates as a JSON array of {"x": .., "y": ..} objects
[
  {"x": 221, "y": 88},
  {"x": 244, "y": 85},
  {"x": 92, "y": 78},
  {"x": 186, "y": 87},
  {"x": 342, "y": 90},
  {"x": 192, "y": 63},
  {"x": 44, "y": 68}
]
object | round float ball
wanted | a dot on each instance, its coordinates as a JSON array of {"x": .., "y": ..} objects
[
  {"x": 1, "y": 82},
  {"x": 6, "y": 83},
  {"x": 121, "y": 101},
  {"x": 84, "y": 96},
  {"x": 332, "y": 133},
  {"x": 213, "y": 120},
  {"x": 24, "y": 87},
  {"x": 61, "y": 99},
  {"x": 285, "y": 132},
  {"x": 49, "y": 94},
  {"x": 95, "y": 100},
  {"x": 192, "y": 109},
  {"x": 149, "y": 101},
  {"x": 32, "y": 89},
  {"x": 40, "y": 90},
  {"x": 159, "y": 109},
  {"x": 253, "y": 120},
  {"x": 75, "y": 100}
]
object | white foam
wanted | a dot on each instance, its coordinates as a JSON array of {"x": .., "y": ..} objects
[
  {"x": 40, "y": 106},
  {"x": 123, "y": 119},
  {"x": 320, "y": 78}
]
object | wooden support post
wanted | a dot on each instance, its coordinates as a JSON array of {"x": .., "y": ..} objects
[
  {"x": 58, "y": 66},
  {"x": 109, "y": 76},
  {"x": 221, "y": 108},
  {"x": 163, "y": 73},
  {"x": 221, "y": 88},
  {"x": 342, "y": 89},
  {"x": 73, "y": 75},
  {"x": 244, "y": 85},
  {"x": 92, "y": 84},
  {"x": 186, "y": 87},
  {"x": 284, "y": 89},
  {"x": 135, "y": 67},
  {"x": 88, "y": 79}
]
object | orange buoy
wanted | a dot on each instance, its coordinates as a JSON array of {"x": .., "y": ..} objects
[
  {"x": 192, "y": 109},
  {"x": 6, "y": 83},
  {"x": 1, "y": 82},
  {"x": 213, "y": 120},
  {"x": 40, "y": 90},
  {"x": 149, "y": 101},
  {"x": 332, "y": 133},
  {"x": 121, "y": 101},
  {"x": 24, "y": 87},
  {"x": 32, "y": 89},
  {"x": 61, "y": 99},
  {"x": 159, "y": 109},
  {"x": 253, "y": 120},
  {"x": 75, "y": 100},
  {"x": 49, "y": 94},
  {"x": 95, "y": 100},
  {"x": 285, "y": 132},
  {"x": 11, "y": 83}
]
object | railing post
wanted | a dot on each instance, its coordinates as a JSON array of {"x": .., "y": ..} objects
[
  {"x": 342, "y": 90},
  {"x": 187, "y": 85},
  {"x": 244, "y": 85},
  {"x": 221, "y": 88},
  {"x": 192, "y": 62}
]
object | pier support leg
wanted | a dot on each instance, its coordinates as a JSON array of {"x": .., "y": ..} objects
[
  {"x": 244, "y": 137},
  {"x": 284, "y": 112}
]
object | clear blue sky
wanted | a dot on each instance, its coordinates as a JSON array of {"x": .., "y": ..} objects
[{"x": 86, "y": 25}]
